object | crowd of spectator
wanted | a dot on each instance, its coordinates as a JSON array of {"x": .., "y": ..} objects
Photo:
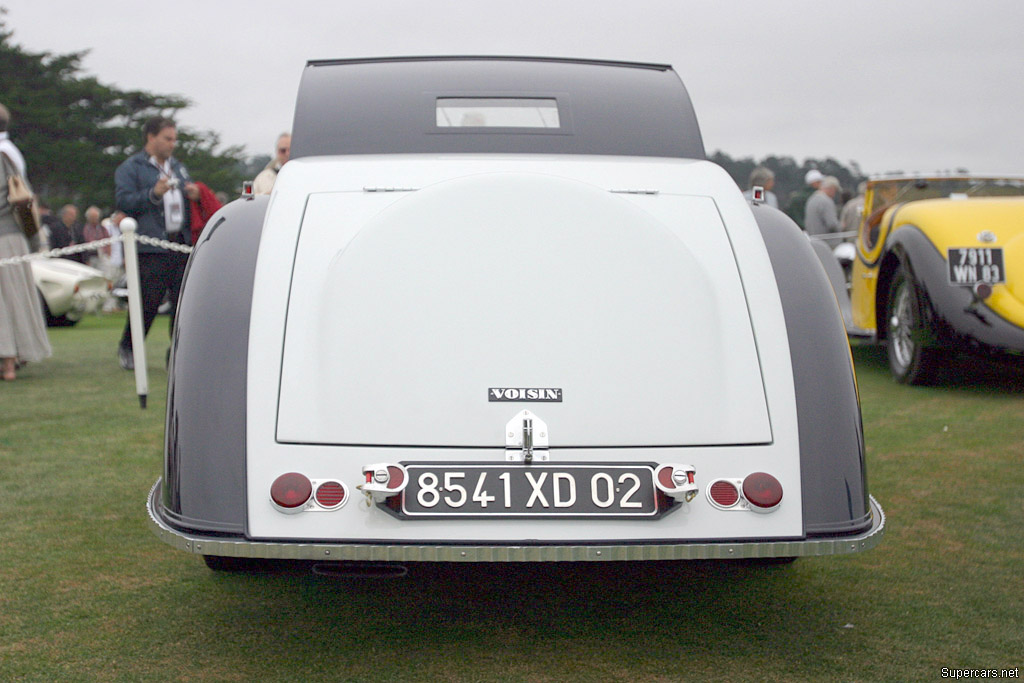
[
  {"x": 820, "y": 207},
  {"x": 154, "y": 189}
]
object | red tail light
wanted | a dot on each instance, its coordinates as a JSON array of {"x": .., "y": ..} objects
[
  {"x": 665, "y": 477},
  {"x": 330, "y": 494},
  {"x": 762, "y": 491},
  {"x": 396, "y": 477},
  {"x": 723, "y": 493},
  {"x": 290, "y": 492}
]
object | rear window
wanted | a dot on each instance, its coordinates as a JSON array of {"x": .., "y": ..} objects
[{"x": 497, "y": 112}]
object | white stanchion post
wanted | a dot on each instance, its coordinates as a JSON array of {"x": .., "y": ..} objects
[{"x": 131, "y": 267}]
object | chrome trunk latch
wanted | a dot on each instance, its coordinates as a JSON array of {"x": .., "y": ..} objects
[{"x": 526, "y": 439}]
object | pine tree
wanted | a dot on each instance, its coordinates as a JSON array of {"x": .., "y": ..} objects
[{"x": 75, "y": 130}]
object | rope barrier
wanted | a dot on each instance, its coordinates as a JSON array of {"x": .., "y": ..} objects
[
  {"x": 164, "y": 244},
  {"x": 57, "y": 253},
  {"x": 94, "y": 246}
]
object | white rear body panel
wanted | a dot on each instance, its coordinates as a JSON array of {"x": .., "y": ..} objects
[{"x": 381, "y": 319}]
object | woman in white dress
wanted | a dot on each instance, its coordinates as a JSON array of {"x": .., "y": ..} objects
[{"x": 22, "y": 328}]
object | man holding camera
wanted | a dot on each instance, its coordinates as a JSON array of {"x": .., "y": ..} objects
[{"x": 153, "y": 187}]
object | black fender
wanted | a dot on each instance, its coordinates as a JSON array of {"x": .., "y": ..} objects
[
  {"x": 833, "y": 472},
  {"x": 203, "y": 485},
  {"x": 836, "y": 278},
  {"x": 955, "y": 319}
]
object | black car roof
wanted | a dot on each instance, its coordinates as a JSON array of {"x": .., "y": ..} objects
[{"x": 389, "y": 106}]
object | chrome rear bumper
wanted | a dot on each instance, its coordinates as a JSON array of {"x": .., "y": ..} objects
[{"x": 366, "y": 552}]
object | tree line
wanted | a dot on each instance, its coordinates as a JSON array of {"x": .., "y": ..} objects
[{"x": 75, "y": 130}]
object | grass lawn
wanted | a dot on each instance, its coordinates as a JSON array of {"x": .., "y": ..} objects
[{"x": 88, "y": 593}]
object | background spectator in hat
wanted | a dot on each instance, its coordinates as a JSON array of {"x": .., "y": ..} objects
[
  {"x": 820, "y": 215},
  {"x": 798, "y": 199}
]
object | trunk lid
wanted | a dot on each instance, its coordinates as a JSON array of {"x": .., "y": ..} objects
[{"x": 411, "y": 315}]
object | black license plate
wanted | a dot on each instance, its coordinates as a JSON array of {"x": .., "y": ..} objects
[
  {"x": 539, "y": 490},
  {"x": 971, "y": 265}
]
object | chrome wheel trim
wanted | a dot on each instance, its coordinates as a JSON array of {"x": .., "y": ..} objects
[{"x": 901, "y": 324}]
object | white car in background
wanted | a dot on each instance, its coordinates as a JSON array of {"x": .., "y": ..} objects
[{"x": 68, "y": 290}]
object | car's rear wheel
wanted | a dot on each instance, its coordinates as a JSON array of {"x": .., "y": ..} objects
[{"x": 911, "y": 360}]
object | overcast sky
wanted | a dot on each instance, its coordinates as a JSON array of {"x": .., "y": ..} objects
[{"x": 922, "y": 85}]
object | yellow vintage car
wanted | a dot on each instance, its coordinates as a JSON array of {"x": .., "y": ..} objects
[{"x": 939, "y": 268}]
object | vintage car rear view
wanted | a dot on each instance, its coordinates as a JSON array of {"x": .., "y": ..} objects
[
  {"x": 499, "y": 310},
  {"x": 939, "y": 268}
]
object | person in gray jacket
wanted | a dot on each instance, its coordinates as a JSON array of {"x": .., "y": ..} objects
[
  {"x": 820, "y": 215},
  {"x": 154, "y": 188}
]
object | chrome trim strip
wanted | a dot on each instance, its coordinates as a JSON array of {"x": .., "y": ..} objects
[{"x": 365, "y": 552}]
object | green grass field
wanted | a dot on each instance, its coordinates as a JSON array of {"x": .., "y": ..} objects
[{"x": 88, "y": 593}]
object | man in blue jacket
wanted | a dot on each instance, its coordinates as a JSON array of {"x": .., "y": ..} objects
[{"x": 154, "y": 188}]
